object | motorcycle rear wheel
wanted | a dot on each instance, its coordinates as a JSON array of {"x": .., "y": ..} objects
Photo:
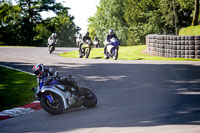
[
  {"x": 106, "y": 56},
  {"x": 90, "y": 99},
  {"x": 54, "y": 108},
  {"x": 80, "y": 54}
]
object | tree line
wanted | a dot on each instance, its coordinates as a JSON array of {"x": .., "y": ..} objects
[
  {"x": 22, "y": 24},
  {"x": 132, "y": 20}
]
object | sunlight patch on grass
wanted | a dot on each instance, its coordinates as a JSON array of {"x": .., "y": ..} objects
[
  {"x": 15, "y": 88},
  {"x": 125, "y": 53}
]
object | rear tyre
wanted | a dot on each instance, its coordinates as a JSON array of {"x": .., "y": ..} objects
[
  {"x": 54, "y": 108},
  {"x": 80, "y": 55},
  {"x": 106, "y": 56},
  {"x": 90, "y": 99}
]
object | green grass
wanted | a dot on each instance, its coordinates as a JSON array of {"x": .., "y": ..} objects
[
  {"x": 191, "y": 30},
  {"x": 125, "y": 53},
  {"x": 16, "y": 46},
  {"x": 15, "y": 88}
]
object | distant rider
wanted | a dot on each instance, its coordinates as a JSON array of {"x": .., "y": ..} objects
[
  {"x": 97, "y": 41},
  {"x": 52, "y": 39},
  {"x": 85, "y": 37},
  {"x": 111, "y": 34},
  {"x": 79, "y": 40}
]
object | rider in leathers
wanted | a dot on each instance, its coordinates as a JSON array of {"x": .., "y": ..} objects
[
  {"x": 49, "y": 74},
  {"x": 109, "y": 36},
  {"x": 85, "y": 37},
  {"x": 52, "y": 39},
  {"x": 45, "y": 74}
]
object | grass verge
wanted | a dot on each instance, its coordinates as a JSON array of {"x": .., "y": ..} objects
[
  {"x": 125, "y": 53},
  {"x": 191, "y": 30},
  {"x": 15, "y": 88}
]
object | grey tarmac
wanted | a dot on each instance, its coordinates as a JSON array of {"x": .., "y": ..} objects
[{"x": 133, "y": 96}]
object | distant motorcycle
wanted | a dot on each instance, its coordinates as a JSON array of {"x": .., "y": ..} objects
[
  {"x": 60, "y": 95},
  {"x": 85, "y": 49},
  {"x": 52, "y": 46},
  {"x": 96, "y": 44},
  {"x": 112, "y": 49}
]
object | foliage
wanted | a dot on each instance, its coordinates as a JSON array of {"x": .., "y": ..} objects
[
  {"x": 24, "y": 25},
  {"x": 110, "y": 14},
  {"x": 9, "y": 23},
  {"x": 134, "y": 19}
]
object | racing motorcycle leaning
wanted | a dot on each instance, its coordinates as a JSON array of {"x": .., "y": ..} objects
[
  {"x": 112, "y": 49},
  {"x": 85, "y": 49},
  {"x": 63, "y": 94}
]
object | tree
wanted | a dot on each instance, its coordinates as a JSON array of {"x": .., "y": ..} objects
[
  {"x": 143, "y": 17},
  {"x": 22, "y": 24},
  {"x": 110, "y": 14},
  {"x": 9, "y": 24},
  {"x": 31, "y": 16},
  {"x": 196, "y": 13},
  {"x": 155, "y": 17}
]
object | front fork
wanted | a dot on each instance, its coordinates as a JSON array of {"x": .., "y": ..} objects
[
  {"x": 36, "y": 93},
  {"x": 49, "y": 97}
]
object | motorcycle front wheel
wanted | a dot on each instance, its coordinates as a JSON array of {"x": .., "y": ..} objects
[
  {"x": 51, "y": 49},
  {"x": 55, "y": 107},
  {"x": 87, "y": 52},
  {"x": 90, "y": 99},
  {"x": 115, "y": 55}
]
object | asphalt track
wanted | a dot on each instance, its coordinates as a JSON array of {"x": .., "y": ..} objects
[{"x": 133, "y": 96}]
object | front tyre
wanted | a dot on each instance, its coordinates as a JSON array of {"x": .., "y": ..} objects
[
  {"x": 51, "y": 49},
  {"x": 87, "y": 52},
  {"x": 90, "y": 99},
  {"x": 115, "y": 55},
  {"x": 55, "y": 107}
]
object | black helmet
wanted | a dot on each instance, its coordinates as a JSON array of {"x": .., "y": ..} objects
[{"x": 87, "y": 34}]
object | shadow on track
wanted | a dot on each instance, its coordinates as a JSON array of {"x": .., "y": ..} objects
[{"x": 129, "y": 95}]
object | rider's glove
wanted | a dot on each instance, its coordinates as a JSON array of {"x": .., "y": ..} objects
[{"x": 49, "y": 79}]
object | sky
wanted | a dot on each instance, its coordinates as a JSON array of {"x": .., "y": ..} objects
[{"x": 80, "y": 9}]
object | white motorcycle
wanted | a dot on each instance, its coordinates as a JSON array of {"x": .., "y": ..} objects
[
  {"x": 96, "y": 44},
  {"x": 51, "y": 45},
  {"x": 112, "y": 49},
  {"x": 60, "y": 95}
]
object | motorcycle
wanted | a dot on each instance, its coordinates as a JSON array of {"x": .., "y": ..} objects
[
  {"x": 112, "y": 49},
  {"x": 85, "y": 49},
  {"x": 96, "y": 44},
  {"x": 63, "y": 94},
  {"x": 52, "y": 46}
]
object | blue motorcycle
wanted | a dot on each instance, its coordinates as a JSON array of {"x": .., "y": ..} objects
[
  {"x": 59, "y": 95},
  {"x": 112, "y": 49}
]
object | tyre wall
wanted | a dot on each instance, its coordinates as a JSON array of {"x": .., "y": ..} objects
[{"x": 172, "y": 46}]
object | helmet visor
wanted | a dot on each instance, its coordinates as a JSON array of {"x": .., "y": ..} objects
[{"x": 36, "y": 72}]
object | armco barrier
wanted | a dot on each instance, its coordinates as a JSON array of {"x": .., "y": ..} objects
[{"x": 172, "y": 46}]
